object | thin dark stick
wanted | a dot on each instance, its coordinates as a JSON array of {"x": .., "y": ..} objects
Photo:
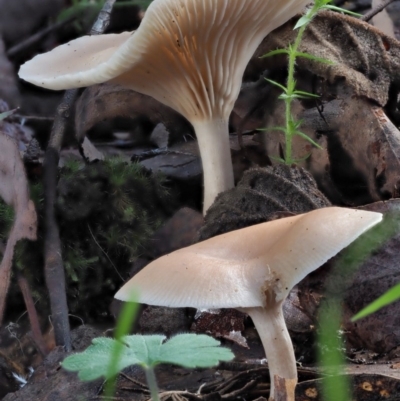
[
  {"x": 32, "y": 315},
  {"x": 54, "y": 270},
  {"x": 366, "y": 17},
  {"x": 22, "y": 46}
]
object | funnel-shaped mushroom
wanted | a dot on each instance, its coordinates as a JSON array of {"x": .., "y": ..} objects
[
  {"x": 253, "y": 269},
  {"x": 188, "y": 54}
]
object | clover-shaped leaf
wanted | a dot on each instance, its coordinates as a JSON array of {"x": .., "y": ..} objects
[
  {"x": 95, "y": 360},
  {"x": 188, "y": 350},
  {"x": 194, "y": 350}
]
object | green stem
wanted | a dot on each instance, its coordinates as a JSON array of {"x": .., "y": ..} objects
[
  {"x": 152, "y": 383},
  {"x": 290, "y": 124}
]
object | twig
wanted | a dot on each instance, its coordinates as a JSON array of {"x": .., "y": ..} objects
[
  {"x": 142, "y": 386},
  {"x": 21, "y": 118},
  {"x": 32, "y": 314},
  {"x": 147, "y": 154},
  {"x": 106, "y": 254},
  {"x": 22, "y": 46},
  {"x": 366, "y": 17},
  {"x": 54, "y": 270},
  {"x": 235, "y": 394},
  {"x": 186, "y": 394}
]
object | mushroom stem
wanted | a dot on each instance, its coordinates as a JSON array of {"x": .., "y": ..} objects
[
  {"x": 213, "y": 139},
  {"x": 278, "y": 347}
]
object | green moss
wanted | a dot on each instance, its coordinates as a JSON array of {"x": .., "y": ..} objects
[
  {"x": 6, "y": 219},
  {"x": 106, "y": 213}
]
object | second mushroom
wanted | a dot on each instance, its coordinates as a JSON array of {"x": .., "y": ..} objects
[
  {"x": 253, "y": 270},
  {"x": 188, "y": 54}
]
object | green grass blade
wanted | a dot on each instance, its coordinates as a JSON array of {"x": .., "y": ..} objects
[
  {"x": 331, "y": 355},
  {"x": 126, "y": 318},
  {"x": 387, "y": 298}
]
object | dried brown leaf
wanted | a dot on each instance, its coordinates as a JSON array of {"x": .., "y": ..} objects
[
  {"x": 367, "y": 59},
  {"x": 21, "y": 133},
  {"x": 360, "y": 158},
  {"x": 107, "y": 101},
  {"x": 14, "y": 191},
  {"x": 363, "y": 147}
]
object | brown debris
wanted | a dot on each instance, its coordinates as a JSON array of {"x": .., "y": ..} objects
[
  {"x": 367, "y": 59},
  {"x": 364, "y": 161},
  {"x": 14, "y": 191},
  {"x": 263, "y": 194},
  {"x": 178, "y": 232},
  {"x": 360, "y": 159},
  {"x": 51, "y": 382},
  {"x": 158, "y": 319},
  {"x": 365, "y": 387},
  {"x": 106, "y": 101},
  {"x": 221, "y": 323}
]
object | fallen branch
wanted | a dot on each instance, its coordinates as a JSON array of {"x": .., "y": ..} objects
[
  {"x": 54, "y": 270},
  {"x": 376, "y": 10}
]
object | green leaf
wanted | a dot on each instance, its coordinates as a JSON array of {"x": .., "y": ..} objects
[
  {"x": 297, "y": 95},
  {"x": 275, "y": 52},
  {"x": 320, "y": 4},
  {"x": 284, "y": 96},
  {"x": 387, "y": 298},
  {"x": 276, "y": 84},
  {"x": 311, "y": 57},
  {"x": 278, "y": 159},
  {"x": 8, "y": 113},
  {"x": 304, "y": 94},
  {"x": 304, "y": 20},
  {"x": 188, "y": 350},
  {"x": 275, "y": 128},
  {"x": 307, "y": 138},
  {"x": 342, "y": 10},
  {"x": 194, "y": 350},
  {"x": 94, "y": 361}
]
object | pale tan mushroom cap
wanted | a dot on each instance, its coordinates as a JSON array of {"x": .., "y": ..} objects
[
  {"x": 187, "y": 54},
  {"x": 233, "y": 270}
]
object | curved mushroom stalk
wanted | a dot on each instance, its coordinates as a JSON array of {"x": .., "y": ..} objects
[
  {"x": 271, "y": 327},
  {"x": 213, "y": 139},
  {"x": 253, "y": 270}
]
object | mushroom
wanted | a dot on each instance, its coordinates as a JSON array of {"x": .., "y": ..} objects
[
  {"x": 253, "y": 269},
  {"x": 188, "y": 54}
]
